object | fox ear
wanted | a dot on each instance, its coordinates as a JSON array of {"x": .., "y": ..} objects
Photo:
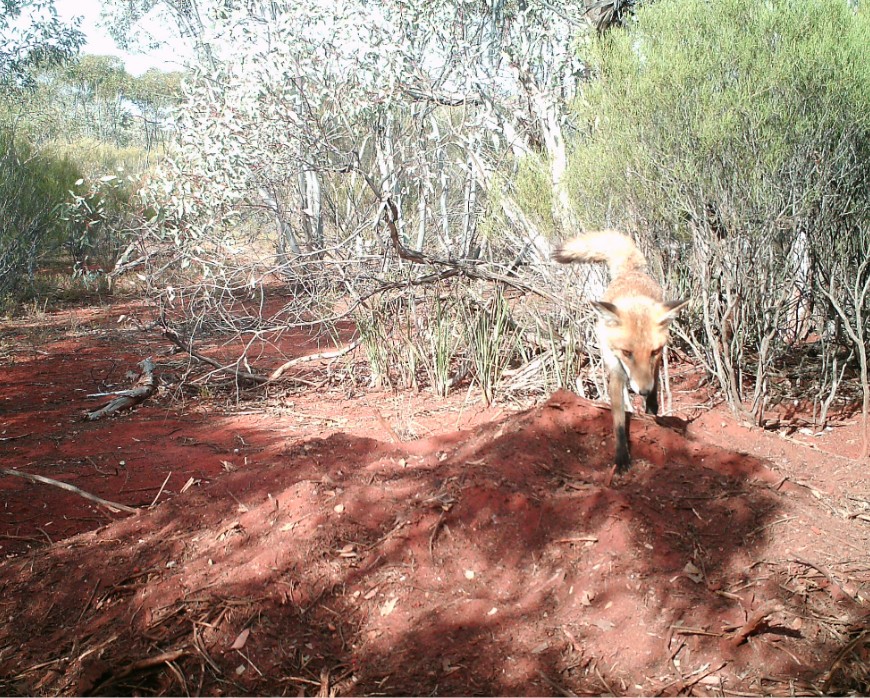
[
  {"x": 607, "y": 312},
  {"x": 671, "y": 309}
]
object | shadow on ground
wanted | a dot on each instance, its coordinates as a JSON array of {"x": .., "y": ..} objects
[{"x": 493, "y": 561}]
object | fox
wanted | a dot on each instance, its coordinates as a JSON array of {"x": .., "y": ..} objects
[{"x": 633, "y": 325}]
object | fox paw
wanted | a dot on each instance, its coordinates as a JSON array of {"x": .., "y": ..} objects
[{"x": 623, "y": 462}]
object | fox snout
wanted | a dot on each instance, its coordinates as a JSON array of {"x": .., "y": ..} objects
[
  {"x": 642, "y": 391},
  {"x": 642, "y": 385}
]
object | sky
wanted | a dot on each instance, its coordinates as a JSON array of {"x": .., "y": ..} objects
[{"x": 99, "y": 42}]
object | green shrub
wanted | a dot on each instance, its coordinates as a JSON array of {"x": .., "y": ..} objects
[
  {"x": 733, "y": 138},
  {"x": 534, "y": 192},
  {"x": 33, "y": 185}
]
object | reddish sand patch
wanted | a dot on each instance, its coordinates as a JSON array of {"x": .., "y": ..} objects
[{"x": 297, "y": 547}]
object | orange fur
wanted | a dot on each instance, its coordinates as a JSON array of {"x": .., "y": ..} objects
[{"x": 633, "y": 324}]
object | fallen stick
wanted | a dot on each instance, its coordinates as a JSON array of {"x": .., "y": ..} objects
[
  {"x": 833, "y": 581},
  {"x": 754, "y": 622},
  {"x": 143, "y": 664},
  {"x": 278, "y": 372},
  {"x": 386, "y": 425},
  {"x": 145, "y": 387},
  {"x": 176, "y": 339},
  {"x": 70, "y": 488}
]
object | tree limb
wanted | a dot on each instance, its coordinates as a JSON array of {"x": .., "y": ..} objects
[
  {"x": 278, "y": 372},
  {"x": 145, "y": 387},
  {"x": 70, "y": 488}
]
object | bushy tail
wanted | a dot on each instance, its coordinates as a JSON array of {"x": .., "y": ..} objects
[{"x": 613, "y": 248}]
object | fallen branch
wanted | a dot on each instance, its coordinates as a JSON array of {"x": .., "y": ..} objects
[
  {"x": 255, "y": 378},
  {"x": 841, "y": 656},
  {"x": 754, "y": 622},
  {"x": 145, "y": 387},
  {"x": 832, "y": 580},
  {"x": 141, "y": 665},
  {"x": 187, "y": 347},
  {"x": 336, "y": 353},
  {"x": 114, "y": 506},
  {"x": 13, "y": 438}
]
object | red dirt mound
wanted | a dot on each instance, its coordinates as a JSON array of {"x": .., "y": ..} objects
[{"x": 489, "y": 559}]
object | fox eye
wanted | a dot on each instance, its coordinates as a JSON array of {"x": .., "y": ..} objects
[{"x": 629, "y": 355}]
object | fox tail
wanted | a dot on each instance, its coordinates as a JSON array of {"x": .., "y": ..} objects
[{"x": 611, "y": 247}]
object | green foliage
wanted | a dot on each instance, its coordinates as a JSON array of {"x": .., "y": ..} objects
[
  {"x": 33, "y": 185},
  {"x": 60, "y": 210},
  {"x": 96, "y": 158},
  {"x": 94, "y": 98},
  {"x": 32, "y": 35},
  {"x": 533, "y": 191},
  {"x": 492, "y": 339},
  {"x": 439, "y": 342},
  {"x": 86, "y": 133},
  {"x": 373, "y": 326},
  {"x": 734, "y": 139},
  {"x": 720, "y": 104}
]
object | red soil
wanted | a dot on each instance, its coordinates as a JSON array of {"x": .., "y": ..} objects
[{"x": 329, "y": 541}]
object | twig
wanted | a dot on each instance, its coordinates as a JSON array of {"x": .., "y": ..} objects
[
  {"x": 684, "y": 630},
  {"x": 559, "y": 689},
  {"x": 176, "y": 339},
  {"x": 13, "y": 438},
  {"x": 690, "y": 680},
  {"x": 386, "y": 425},
  {"x": 434, "y": 534},
  {"x": 160, "y": 491},
  {"x": 827, "y": 574},
  {"x": 90, "y": 601},
  {"x": 245, "y": 657},
  {"x": 578, "y": 539},
  {"x": 753, "y": 622},
  {"x": 845, "y": 652},
  {"x": 454, "y": 267},
  {"x": 324, "y": 683},
  {"x": 71, "y": 488},
  {"x": 147, "y": 663},
  {"x": 278, "y": 372}
]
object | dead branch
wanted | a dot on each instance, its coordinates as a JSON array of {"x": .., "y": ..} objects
[
  {"x": 841, "y": 656},
  {"x": 832, "y": 580},
  {"x": 469, "y": 270},
  {"x": 145, "y": 387},
  {"x": 187, "y": 347},
  {"x": 754, "y": 622},
  {"x": 70, "y": 488},
  {"x": 142, "y": 664},
  {"x": 278, "y": 372}
]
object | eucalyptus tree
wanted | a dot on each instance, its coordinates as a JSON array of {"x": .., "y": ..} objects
[
  {"x": 365, "y": 147},
  {"x": 31, "y": 34},
  {"x": 318, "y": 112}
]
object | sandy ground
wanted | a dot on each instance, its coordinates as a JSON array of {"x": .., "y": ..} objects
[{"x": 337, "y": 541}]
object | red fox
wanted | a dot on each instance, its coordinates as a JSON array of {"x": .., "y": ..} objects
[{"x": 633, "y": 324}]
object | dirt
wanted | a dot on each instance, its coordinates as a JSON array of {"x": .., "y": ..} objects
[{"x": 326, "y": 539}]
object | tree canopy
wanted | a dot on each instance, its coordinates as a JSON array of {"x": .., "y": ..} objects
[{"x": 31, "y": 34}]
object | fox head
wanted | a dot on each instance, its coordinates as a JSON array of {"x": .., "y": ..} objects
[{"x": 633, "y": 336}]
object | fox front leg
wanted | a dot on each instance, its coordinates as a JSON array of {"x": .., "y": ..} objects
[
  {"x": 652, "y": 400},
  {"x": 616, "y": 387}
]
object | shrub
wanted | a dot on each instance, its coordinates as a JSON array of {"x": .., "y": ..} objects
[
  {"x": 733, "y": 138},
  {"x": 32, "y": 186}
]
